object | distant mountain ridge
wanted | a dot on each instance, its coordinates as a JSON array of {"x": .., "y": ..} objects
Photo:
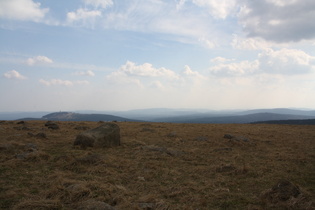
[
  {"x": 71, "y": 116},
  {"x": 249, "y": 118},
  {"x": 178, "y": 115}
]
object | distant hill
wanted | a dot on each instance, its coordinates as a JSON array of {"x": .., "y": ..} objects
[
  {"x": 288, "y": 122},
  {"x": 18, "y": 115},
  {"x": 249, "y": 118},
  {"x": 71, "y": 116},
  {"x": 170, "y": 115},
  {"x": 280, "y": 111}
]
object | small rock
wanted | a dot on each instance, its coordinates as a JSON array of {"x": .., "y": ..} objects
[
  {"x": 51, "y": 125},
  {"x": 106, "y": 135},
  {"x": 228, "y": 136},
  {"x": 282, "y": 191},
  {"x": 30, "y": 146},
  {"x": 41, "y": 135},
  {"x": 236, "y": 138},
  {"x": 241, "y": 138},
  {"x": 22, "y": 128}
]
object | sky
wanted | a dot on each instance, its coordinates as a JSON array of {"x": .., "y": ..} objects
[{"x": 137, "y": 54}]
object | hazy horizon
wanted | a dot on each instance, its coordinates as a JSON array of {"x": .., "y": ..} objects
[{"x": 110, "y": 55}]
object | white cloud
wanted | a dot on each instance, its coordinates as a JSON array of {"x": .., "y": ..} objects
[
  {"x": 286, "y": 61},
  {"x": 185, "y": 24},
  {"x": 25, "y": 10},
  {"x": 62, "y": 82},
  {"x": 158, "y": 85},
  {"x": 81, "y": 82},
  {"x": 218, "y": 9},
  {"x": 280, "y": 21},
  {"x": 235, "y": 69},
  {"x": 221, "y": 60},
  {"x": 144, "y": 75},
  {"x": 14, "y": 75},
  {"x": 180, "y": 4},
  {"x": 89, "y": 73},
  {"x": 146, "y": 70},
  {"x": 283, "y": 62},
  {"x": 56, "y": 82},
  {"x": 121, "y": 78},
  {"x": 38, "y": 60},
  {"x": 282, "y": 3},
  {"x": 207, "y": 43},
  {"x": 190, "y": 73},
  {"x": 99, "y": 3},
  {"x": 249, "y": 43},
  {"x": 83, "y": 16}
]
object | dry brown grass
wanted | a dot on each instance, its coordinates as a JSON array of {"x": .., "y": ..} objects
[{"x": 158, "y": 166}]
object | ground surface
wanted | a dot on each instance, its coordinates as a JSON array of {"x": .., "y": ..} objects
[{"x": 158, "y": 166}]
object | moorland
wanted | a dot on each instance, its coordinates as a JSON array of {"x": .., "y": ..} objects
[{"x": 158, "y": 166}]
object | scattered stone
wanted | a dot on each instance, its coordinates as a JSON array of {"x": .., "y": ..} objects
[
  {"x": 286, "y": 195},
  {"x": 48, "y": 123},
  {"x": 51, "y": 125},
  {"x": 106, "y": 135},
  {"x": 39, "y": 135},
  {"x": 30, "y": 147},
  {"x": 77, "y": 191},
  {"x": 20, "y": 122},
  {"x": 235, "y": 138},
  {"x": 94, "y": 205},
  {"x": 22, "y": 128},
  {"x": 282, "y": 191},
  {"x": 228, "y": 136}
]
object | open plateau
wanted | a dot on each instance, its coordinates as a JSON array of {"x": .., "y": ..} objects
[{"x": 157, "y": 166}]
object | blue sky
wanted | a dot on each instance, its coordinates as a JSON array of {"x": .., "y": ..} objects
[{"x": 134, "y": 54}]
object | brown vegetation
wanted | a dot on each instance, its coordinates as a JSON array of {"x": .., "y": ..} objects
[{"x": 158, "y": 166}]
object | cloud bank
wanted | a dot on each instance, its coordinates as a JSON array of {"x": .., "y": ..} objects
[{"x": 14, "y": 75}]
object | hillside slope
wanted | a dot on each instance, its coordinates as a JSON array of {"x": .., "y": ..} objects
[{"x": 71, "y": 116}]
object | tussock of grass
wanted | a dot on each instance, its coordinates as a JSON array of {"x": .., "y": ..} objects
[{"x": 158, "y": 166}]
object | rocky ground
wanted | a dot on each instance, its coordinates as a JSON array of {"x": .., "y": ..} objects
[{"x": 158, "y": 166}]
